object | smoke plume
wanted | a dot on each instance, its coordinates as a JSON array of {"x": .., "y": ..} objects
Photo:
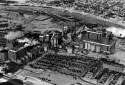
[
  {"x": 28, "y": 41},
  {"x": 14, "y": 35},
  {"x": 118, "y": 32},
  {"x": 24, "y": 40},
  {"x": 34, "y": 42}
]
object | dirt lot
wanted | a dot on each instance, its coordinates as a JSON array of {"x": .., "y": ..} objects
[{"x": 56, "y": 78}]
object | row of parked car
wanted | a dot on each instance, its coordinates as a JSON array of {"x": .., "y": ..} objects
[
  {"x": 105, "y": 76},
  {"x": 80, "y": 67},
  {"x": 68, "y": 65}
]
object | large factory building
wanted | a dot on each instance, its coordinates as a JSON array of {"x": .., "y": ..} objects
[
  {"x": 16, "y": 50},
  {"x": 98, "y": 41},
  {"x": 16, "y": 54}
]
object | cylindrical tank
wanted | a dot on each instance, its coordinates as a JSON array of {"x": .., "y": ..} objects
[
  {"x": 92, "y": 47},
  {"x": 19, "y": 61},
  {"x": 98, "y": 48},
  {"x": 80, "y": 36},
  {"x": 0, "y": 56},
  {"x": 103, "y": 48},
  {"x": 99, "y": 37},
  {"x": 10, "y": 44},
  {"x": 87, "y": 35},
  {"x": 89, "y": 46},
  {"x": 65, "y": 28},
  {"x": 22, "y": 59},
  {"x": 26, "y": 58},
  {"x": 29, "y": 54},
  {"x": 86, "y": 45},
  {"x": 12, "y": 55},
  {"x": 41, "y": 37},
  {"x": 4, "y": 55},
  {"x": 69, "y": 50},
  {"x": 45, "y": 48},
  {"x": 46, "y": 38},
  {"x": 92, "y": 36},
  {"x": 81, "y": 46},
  {"x": 55, "y": 40}
]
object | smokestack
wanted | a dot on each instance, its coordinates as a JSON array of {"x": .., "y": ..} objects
[
  {"x": 10, "y": 38},
  {"x": 13, "y": 35}
]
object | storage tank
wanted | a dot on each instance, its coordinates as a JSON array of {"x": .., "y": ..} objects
[
  {"x": 99, "y": 36},
  {"x": 30, "y": 55},
  {"x": 41, "y": 37},
  {"x": 4, "y": 55},
  {"x": 81, "y": 46},
  {"x": 89, "y": 46},
  {"x": 69, "y": 49},
  {"x": 19, "y": 61},
  {"x": 92, "y": 47},
  {"x": 98, "y": 48},
  {"x": 26, "y": 57},
  {"x": 86, "y": 45},
  {"x": 93, "y": 35},
  {"x": 10, "y": 44},
  {"x": 65, "y": 28},
  {"x": 55, "y": 40},
  {"x": 47, "y": 38},
  {"x": 22, "y": 60},
  {"x": 105, "y": 49},
  {"x": 45, "y": 48},
  {"x": 12, "y": 55}
]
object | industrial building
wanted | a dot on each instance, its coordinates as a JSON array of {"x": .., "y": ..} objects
[
  {"x": 17, "y": 54},
  {"x": 98, "y": 41}
]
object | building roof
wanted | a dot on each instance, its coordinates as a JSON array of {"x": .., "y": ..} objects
[
  {"x": 18, "y": 47},
  {"x": 3, "y": 51},
  {"x": 103, "y": 40}
]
